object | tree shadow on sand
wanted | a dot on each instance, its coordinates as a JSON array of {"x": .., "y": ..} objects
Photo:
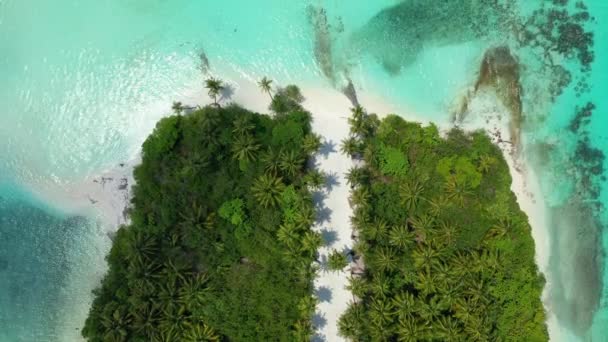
[
  {"x": 324, "y": 294},
  {"x": 331, "y": 180},
  {"x": 323, "y": 215},
  {"x": 323, "y": 212},
  {"x": 329, "y": 237},
  {"x": 226, "y": 93},
  {"x": 326, "y": 148},
  {"x": 319, "y": 320},
  {"x": 318, "y": 337}
]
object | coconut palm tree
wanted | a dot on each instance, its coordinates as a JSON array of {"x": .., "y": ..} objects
[
  {"x": 501, "y": 228},
  {"x": 476, "y": 292},
  {"x": 200, "y": 333},
  {"x": 311, "y": 241},
  {"x": 307, "y": 305},
  {"x": 360, "y": 197},
  {"x": 143, "y": 273},
  {"x": 448, "y": 329},
  {"x": 438, "y": 205},
  {"x": 266, "y": 86},
  {"x": 116, "y": 324},
  {"x": 288, "y": 234},
  {"x": 485, "y": 163},
  {"x": 457, "y": 190},
  {"x": 192, "y": 291},
  {"x": 357, "y": 286},
  {"x": 270, "y": 160},
  {"x": 379, "y": 332},
  {"x": 174, "y": 319},
  {"x": 214, "y": 87},
  {"x": 381, "y": 312},
  {"x": 376, "y": 231},
  {"x": 315, "y": 179},
  {"x": 242, "y": 125},
  {"x": 357, "y": 121},
  {"x": 168, "y": 294},
  {"x": 401, "y": 237},
  {"x": 422, "y": 224},
  {"x": 267, "y": 190},
  {"x": 476, "y": 329},
  {"x": 209, "y": 120},
  {"x": 385, "y": 259},
  {"x": 305, "y": 216},
  {"x": 361, "y": 247},
  {"x": 444, "y": 274},
  {"x": 449, "y": 294},
  {"x": 166, "y": 336},
  {"x": 357, "y": 175},
  {"x": 290, "y": 162},
  {"x": 142, "y": 246},
  {"x": 145, "y": 320},
  {"x": 380, "y": 286},
  {"x": 491, "y": 260},
  {"x": 411, "y": 194},
  {"x": 244, "y": 148},
  {"x": 426, "y": 283},
  {"x": 177, "y": 107},
  {"x": 464, "y": 309},
  {"x": 311, "y": 143},
  {"x": 350, "y": 146},
  {"x": 446, "y": 234},
  {"x": 351, "y": 323},
  {"x": 405, "y": 304},
  {"x": 431, "y": 309},
  {"x": 460, "y": 263},
  {"x": 336, "y": 261},
  {"x": 411, "y": 330},
  {"x": 302, "y": 331},
  {"x": 425, "y": 257}
]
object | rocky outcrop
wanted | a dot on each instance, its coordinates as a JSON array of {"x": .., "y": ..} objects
[{"x": 499, "y": 72}]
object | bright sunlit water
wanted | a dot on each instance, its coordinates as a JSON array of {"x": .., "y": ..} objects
[{"x": 82, "y": 83}]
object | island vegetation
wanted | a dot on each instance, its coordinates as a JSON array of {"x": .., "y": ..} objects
[
  {"x": 447, "y": 253},
  {"x": 219, "y": 247}
]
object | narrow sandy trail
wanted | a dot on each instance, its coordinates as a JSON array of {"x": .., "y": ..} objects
[{"x": 334, "y": 212}]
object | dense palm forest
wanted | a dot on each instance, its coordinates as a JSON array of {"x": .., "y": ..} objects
[
  {"x": 219, "y": 246},
  {"x": 448, "y": 254}
]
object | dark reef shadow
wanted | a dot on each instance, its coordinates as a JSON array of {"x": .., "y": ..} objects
[{"x": 3, "y": 265}]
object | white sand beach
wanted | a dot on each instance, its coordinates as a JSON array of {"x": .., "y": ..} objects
[{"x": 487, "y": 114}]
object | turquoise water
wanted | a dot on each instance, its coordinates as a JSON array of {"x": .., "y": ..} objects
[{"x": 83, "y": 83}]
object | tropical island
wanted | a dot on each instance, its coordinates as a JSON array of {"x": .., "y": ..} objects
[
  {"x": 447, "y": 252},
  {"x": 219, "y": 246},
  {"x": 222, "y": 244}
]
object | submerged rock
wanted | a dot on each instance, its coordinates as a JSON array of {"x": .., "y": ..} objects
[
  {"x": 350, "y": 92},
  {"x": 322, "y": 40},
  {"x": 575, "y": 276},
  {"x": 499, "y": 72},
  {"x": 397, "y": 34}
]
